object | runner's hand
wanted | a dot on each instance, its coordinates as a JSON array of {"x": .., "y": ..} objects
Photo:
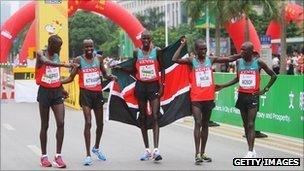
[
  {"x": 160, "y": 92},
  {"x": 65, "y": 94}
]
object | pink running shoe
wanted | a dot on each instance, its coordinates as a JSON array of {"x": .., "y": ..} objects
[
  {"x": 58, "y": 162},
  {"x": 44, "y": 162}
]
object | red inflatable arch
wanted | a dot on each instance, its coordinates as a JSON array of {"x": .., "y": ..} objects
[
  {"x": 26, "y": 15},
  {"x": 293, "y": 12},
  {"x": 236, "y": 31}
]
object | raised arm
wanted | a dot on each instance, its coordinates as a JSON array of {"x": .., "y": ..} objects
[
  {"x": 103, "y": 69},
  {"x": 270, "y": 73},
  {"x": 162, "y": 71},
  {"x": 130, "y": 70},
  {"x": 176, "y": 57},
  {"x": 42, "y": 59},
  {"x": 73, "y": 73},
  {"x": 225, "y": 59}
]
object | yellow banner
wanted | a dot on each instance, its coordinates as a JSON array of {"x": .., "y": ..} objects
[{"x": 52, "y": 18}]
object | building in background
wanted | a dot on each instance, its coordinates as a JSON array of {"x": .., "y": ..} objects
[{"x": 175, "y": 11}]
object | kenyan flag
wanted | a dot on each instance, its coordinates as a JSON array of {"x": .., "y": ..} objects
[{"x": 175, "y": 103}]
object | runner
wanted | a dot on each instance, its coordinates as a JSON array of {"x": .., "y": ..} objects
[
  {"x": 51, "y": 95},
  {"x": 202, "y": 92},
  {"x": 248, "y": 75},
  {"x": 90, "y": 97},
  {"x": 148, "y": 88}
]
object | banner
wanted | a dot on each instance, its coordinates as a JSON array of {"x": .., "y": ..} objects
[
  {"x": 52, "y": 18},
  {"x": 281, "y": 108},
  {"x": 175, "y": 103}
]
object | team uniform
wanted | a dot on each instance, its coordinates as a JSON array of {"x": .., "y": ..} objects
[
  {"x": 50, "y": 88},
  {"x": 202, "y": 85},
  {"x": 90, "y": 83},
  {"x": 147, "y": 75},
  {"x": 249, "y": 83}
]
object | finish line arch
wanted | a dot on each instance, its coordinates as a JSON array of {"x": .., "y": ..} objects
[{"x": 26, "y": 15}]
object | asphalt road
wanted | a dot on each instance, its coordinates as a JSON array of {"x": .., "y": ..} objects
[{"x": 122, "y": 144}]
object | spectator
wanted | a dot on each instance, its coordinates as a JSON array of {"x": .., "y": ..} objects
[{"x": 276, "y": 64}]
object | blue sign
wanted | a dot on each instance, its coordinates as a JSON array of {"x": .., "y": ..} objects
[{"x": 265, "y": 40}]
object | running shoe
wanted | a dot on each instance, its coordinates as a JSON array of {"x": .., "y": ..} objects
[
  {"x": 58, "y": 162},
  {"x": 99, "y": 154},
  {"x": 250, "y": 154},
  {"x": 44, "y": 162},
  {"x": 198, "y": 159},
  {"x": 87, "y": 161},
  {"x": 146, "y": 156},
  {"x": 156, "y": 155},
  {"x": 205, "y": 158}
]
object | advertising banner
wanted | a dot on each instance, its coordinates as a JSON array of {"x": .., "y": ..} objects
[{"x": 281, "y": 108}]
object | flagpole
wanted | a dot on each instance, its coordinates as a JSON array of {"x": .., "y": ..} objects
[
  {"x": 207, "y": 31},
  {"x": 166, "y": 24}
]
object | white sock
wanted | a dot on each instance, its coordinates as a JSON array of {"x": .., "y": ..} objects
[
  {"x": 44, "y": 155},
  {"x": 57, "y": 155},
  {"x": 156, "y": 150},
  {"x": 148, "y": 150}
]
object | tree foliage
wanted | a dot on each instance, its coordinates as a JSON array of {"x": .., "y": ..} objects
[{"x": 85, "y": 25}]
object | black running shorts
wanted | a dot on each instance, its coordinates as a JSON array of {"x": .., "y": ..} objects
[
  {"x": 247, "y": 101},
  {"x": 204, "y": 106},
  {"x": 92, "y": 99},
  {"x": 146, "y": 90},
  {"x": 50, "y": 96}
]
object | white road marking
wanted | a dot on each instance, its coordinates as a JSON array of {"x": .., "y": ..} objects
[
  {"x": 8, "y": 127},
  {"x": 35, "y": 149}
]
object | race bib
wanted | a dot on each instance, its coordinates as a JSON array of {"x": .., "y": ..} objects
[
  {"x": 51, "y": 75},
  {"x": 147, "y": 72},
  {"x": 247, "y": 81},
  {"x": 203, "y": 78},
  {"x": 91, "y": 79}
]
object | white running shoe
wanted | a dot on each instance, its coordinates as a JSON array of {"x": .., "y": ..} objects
[{"x": 250, "y": 154}]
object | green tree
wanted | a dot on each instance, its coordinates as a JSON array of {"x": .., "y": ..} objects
[
  {"x": 88, "y": 25},
  {"x": 216, "y": 8}
]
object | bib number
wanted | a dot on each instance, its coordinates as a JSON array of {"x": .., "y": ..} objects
[
  {"x": 247, "y": 81},
  {"x": 147, "y": 72},
  {"x": 51, "y": 75},
  {"x": 91, "y": 79},
  {"x": 203, "y": 78}
]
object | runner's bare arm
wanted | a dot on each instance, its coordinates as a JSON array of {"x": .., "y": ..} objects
[
  {"x": 162, "y": 71},
  {"x": 218, "y": 87},
  {"x": 44, "y": 60},
  {"x": 73, "y": 73},
  {"x": 103, "y": 69},
  {"x": 176, "y": 57},
  {"x": 224, "y": 59},
  {"x": 270, "y": 73}
]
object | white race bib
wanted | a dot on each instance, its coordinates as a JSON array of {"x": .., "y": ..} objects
[
  {"x": 203, "y": 78},
  {"x": 247, "y": 81},
  {"x": 147, "y": 72},
  {"x": 91, "y": 79},
  {"x": 51, "y": 75}
]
